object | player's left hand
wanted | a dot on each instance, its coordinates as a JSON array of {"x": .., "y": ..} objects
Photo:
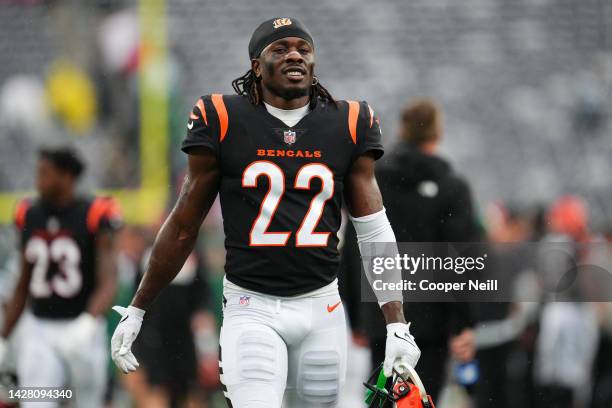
[
  {"x": 78, "y": 335},
  {"x": 400, "y": 350}
]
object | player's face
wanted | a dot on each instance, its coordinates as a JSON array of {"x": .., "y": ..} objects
[
  {"x": 286, "y": 67},
  {"x": 50, "y": 181}
]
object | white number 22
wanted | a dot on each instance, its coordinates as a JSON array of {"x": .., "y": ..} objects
[{"x": 305, "y": 236}]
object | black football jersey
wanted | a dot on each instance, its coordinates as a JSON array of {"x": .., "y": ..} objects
[
  {"x": 60, "y": 245},
  {"x": 281, "y": 186}
]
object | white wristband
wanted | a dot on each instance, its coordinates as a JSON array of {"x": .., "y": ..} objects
[
  {"x": 375, "y": 228},
  {"x": 136, "y": 312}
]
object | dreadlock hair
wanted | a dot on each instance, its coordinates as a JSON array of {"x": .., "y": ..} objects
[{"x": 250, "y": 85}]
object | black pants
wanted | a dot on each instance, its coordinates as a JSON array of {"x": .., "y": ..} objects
[
  {"x": 602, "y": 378},
  {"x": 491, "y": 390},
  {"x": 431, "y": 366},
  {"x": 554, "y": 397}
]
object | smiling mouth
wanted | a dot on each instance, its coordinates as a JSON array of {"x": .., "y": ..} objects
[{"x": 295, "y": 74}]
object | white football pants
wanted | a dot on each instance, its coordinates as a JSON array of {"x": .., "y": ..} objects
[
  {"x": 39, "y": 364},
  {"x": 276, "y": 347}
]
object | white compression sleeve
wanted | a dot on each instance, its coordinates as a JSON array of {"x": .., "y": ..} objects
[{"x": 376, "y": 229}]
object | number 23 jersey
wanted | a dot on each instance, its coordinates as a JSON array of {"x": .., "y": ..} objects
[
  {"x": 281, "y": 186},
  {"x": 60, "y": 245}
]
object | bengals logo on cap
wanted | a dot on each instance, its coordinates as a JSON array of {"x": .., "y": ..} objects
[{"x": 280, "y": 22}]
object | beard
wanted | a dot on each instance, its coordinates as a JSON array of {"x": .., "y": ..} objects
[{"x": 286, "y": 93}]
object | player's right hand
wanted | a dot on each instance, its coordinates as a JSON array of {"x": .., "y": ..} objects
[{"x": 125, "y": 334}]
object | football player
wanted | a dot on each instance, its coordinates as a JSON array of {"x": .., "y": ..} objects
[
  {"x": 68, "y": 279},
  {"x": 281, "y": 154}
]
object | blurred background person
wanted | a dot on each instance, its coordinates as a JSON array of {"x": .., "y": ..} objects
[
  {"x": 9, "y": 274},
  {"x": 504, "y": 361},
  {"x": 178, "y": 349},
  {"x": 426, "y": 201},
  {"x": 569, "y": 330},
  {"x": 67, "y": 278},
  {"x": 602, "y": 373}
]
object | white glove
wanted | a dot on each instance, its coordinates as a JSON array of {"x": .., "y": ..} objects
[
  {"x": 3, "y": 349},
  {"x": 125, "y": 334},
  {"x": 400, "y": 350},
  {"x": 78, "y": 335}
]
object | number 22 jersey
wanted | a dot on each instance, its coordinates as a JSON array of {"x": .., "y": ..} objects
[{"x": 281, "y": 186}]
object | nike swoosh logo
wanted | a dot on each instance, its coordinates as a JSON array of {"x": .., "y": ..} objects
[
  {"x": 332, "y": 308},
  {"x": 124, "y": 319},
  {"x": 403, "y": 338},
  {"x": 190, "y": 125}
]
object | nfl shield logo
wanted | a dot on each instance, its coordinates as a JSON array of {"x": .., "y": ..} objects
[
  {"x": 245, "y": 300},
  {"x": 289, "y": 136}
]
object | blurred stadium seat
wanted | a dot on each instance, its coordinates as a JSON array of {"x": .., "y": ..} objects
[{"x": 509, "y": 76}]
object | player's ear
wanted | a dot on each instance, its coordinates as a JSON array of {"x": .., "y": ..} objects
[{"x": 256, "y": 67}]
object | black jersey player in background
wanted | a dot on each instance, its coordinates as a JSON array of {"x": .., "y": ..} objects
[
  {"x": 281, "y": 154},
  {"x": 68, "y": 280}
]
